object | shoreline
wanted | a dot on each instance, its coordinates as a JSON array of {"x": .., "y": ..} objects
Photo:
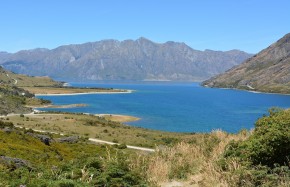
[
  {"x": 259, "y": 92},
  {"x": 65, "y": 106},
  {"x": 251, "y": 91},
  {"x": 86, "y": 93},
  {"x": 113, "y": 117},
  {"x": 119, "y": 117}
]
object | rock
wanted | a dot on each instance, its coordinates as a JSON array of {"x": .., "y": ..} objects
[
  {"x": 70, "y": 139},
  {"x": 43, "y": 138},
  {"x": 7, "y": 130},
  {"x": 14, "y": 163}
]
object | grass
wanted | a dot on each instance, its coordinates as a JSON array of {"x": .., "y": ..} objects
[
  {"x": 63, "y": 164},
  {"x": 26, "y": 81},
  {"x": 212, "y": 160},
  {"x": 100, "y": 128},
  {"x": 191, "y": 163},
  {"x": 198, "y": 164}
]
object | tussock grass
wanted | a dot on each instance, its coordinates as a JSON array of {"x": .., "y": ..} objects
[
  {"x": 201, "y": 162},
  {"x": 190, "y": 163}
]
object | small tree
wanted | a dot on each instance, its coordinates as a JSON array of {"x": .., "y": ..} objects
[{"x": 270, "y": 142}]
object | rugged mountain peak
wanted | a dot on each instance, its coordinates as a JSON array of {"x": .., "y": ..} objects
[
  {"x": 267, "y": 71},
  {"x": 285, "y": 39},
  {"x": 140, "y": 59},
  {"x": 143, "y": 39}
]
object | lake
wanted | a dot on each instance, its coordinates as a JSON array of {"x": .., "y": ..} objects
[{"x": 177, "y": 107}]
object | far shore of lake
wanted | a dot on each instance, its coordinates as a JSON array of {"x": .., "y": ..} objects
[
  {"x": 62, "y": 91},
  {"x": 84, "y": 93}
]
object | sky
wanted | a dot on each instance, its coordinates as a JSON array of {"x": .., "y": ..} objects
[{"x": 248, "y": 25}]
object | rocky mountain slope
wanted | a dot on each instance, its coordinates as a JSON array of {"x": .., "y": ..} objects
[
  {"x": 268, "y": 71},
  {"x": 139, "y": 59}
]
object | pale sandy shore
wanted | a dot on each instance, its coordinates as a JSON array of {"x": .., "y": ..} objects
[
  {"x": 118, "y": 117},
  {"x": 257, "y": 92},
  {"x": 85, "y": 93},
  {"x": 65, "y": 106},
  {"x": 251, "y": 91}
]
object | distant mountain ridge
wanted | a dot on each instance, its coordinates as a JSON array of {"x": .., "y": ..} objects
[
  {"x": 139, "y": 59},
  {"x": 268, "y": 71}
]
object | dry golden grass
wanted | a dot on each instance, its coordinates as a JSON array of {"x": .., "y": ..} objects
[
  {"x": 24, "y": 80},
  {"x": 192, "y": 164}
]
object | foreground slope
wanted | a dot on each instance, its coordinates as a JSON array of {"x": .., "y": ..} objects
[
  {"x": 268, "y": 71},
  {"x": 139, "y": 59},
  {"x": 250, "y": 158}
]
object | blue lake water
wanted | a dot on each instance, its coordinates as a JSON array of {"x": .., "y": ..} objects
[{"x": 178, "y": 107}]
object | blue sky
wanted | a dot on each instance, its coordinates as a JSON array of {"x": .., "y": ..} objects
[{"x": 249, "y": 25}]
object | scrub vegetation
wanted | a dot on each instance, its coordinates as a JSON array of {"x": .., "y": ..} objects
[
  {"x": 248, "y": 158},
  {"x": 99, "y": 127}
]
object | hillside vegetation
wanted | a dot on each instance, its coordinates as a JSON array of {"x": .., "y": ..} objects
[
  {"x": 98, "y": 127},
  {"x": 26, "y": 160},
  {"x": 14, "y": 99},
  {"x": 17, "y": 100},
  {"x": 10, "y": 78},
  {"x": 256, "y": 158}
]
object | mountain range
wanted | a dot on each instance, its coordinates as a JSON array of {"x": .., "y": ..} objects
[
  {"x": 139, "y": 59},
  {"x": 267, "y": 71}
]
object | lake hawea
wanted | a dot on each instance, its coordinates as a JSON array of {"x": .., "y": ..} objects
[{"x": 177, "y": 107}]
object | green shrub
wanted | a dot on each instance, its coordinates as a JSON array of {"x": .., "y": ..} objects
[
  {"x": 269, "y": 143},
  {"x": 122, "y": 146},
  {"x": 117, "y": 173},
  {"x": 63, "y": 164},
  {"x": 65, "y": 183},
  {"x": 6, "y": 124},
  {"x": 271, "y": 139},
  {"x": 94, "y": 163},
  {"x": 265, "y": 156},
  {"x": 169, "y": 140}
]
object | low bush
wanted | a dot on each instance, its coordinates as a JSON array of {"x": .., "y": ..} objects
[
  {"x": 269, "y": 143},
  {"x": 265, "y": 156}
]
